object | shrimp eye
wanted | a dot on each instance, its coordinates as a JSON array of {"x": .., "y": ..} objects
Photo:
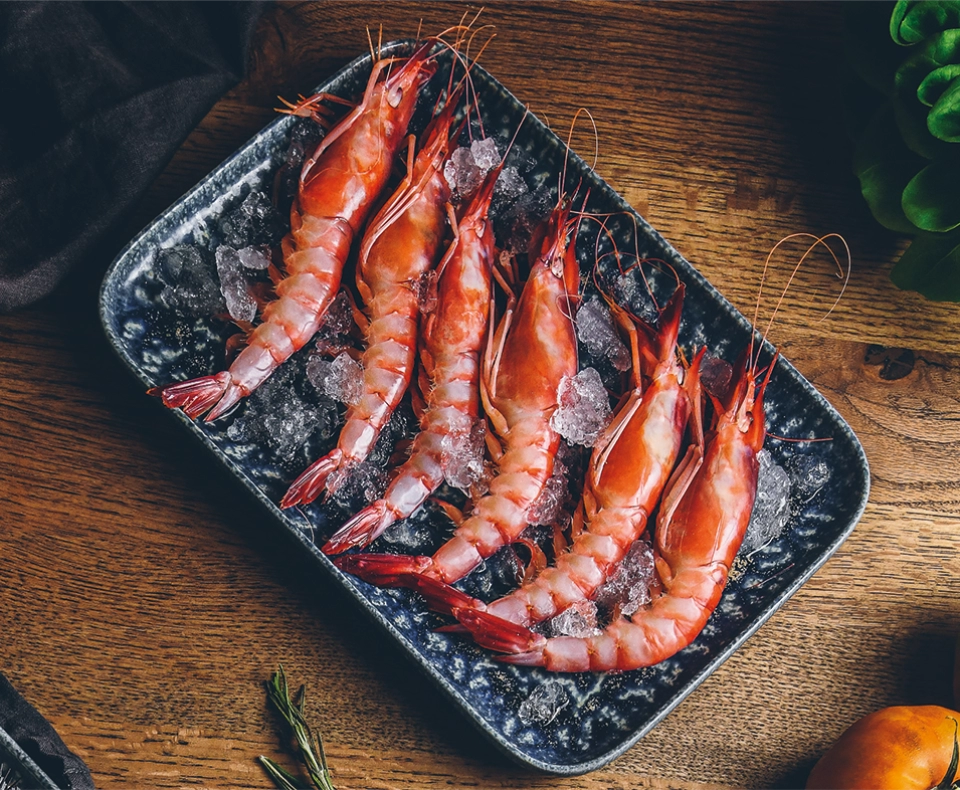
[{"x": 394, "y": 96}]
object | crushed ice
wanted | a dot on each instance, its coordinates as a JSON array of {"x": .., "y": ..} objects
[
  {"x": 771, "y": 510},
  {"x": 578, "y": 620},
  {"x": 190, "y": 282},
  {"x": 596, "y": 331},
  {"x": 233, "y": 284},
  {"x": 276, "y": 416},
  {"x": 629, "y": 588},
  {"x": 254, "y": 221},
  {"x": 467, "y": 166},
  {"x": 256, "y": 257},
  {"x": 808, "y": 475},
  {"x": 549, "y": 507},
  {"x": 341, "y": 379},
  {"x": 583, "y": 408},
  {"x": 462, "y": 453},
  {"x": 543, "y": 704}
]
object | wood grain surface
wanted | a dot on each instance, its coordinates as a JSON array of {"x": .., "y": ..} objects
[{"x": 143, "y": 605}]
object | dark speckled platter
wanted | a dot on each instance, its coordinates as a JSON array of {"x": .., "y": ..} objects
[{"x": 598, "y": 716}]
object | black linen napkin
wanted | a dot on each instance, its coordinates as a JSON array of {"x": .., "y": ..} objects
[
  {"x": 40, "y": 741},
  {"x": 96, "y": 98}
]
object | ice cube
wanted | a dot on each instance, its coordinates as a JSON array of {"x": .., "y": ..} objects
[
  {"x": 462, "y": 173},
  {"x": 596, "y": 331},
  {"x": 579, "y": 620},
  {"x": 341, "y": 379},
  {"x": 236, "y": 291},
  {"x": 771, "y": 510},
  {"x": 339, "y": 317},
  {"x": 190, "y": 283},
  {"x": 510, "y": 185},
  {"x": 548, "y": 509},
  {"x": 485, "y": 154},
  {"x": 277, "y": 417},
  {"x": 462, "y": 456},
  {"x": 629, "y": 588},
  {"x": 256, "y": 257},
  {"x": 543, "y": 704},
  {"x": 254, "y": 221},
  {"x": 583, "y": 408}
]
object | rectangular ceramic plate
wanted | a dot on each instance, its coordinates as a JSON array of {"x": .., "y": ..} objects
[{"x": 600, "y": 716}]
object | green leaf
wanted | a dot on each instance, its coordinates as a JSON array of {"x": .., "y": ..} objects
[
  {"x": 282, "y": 778},
  {"x": 941, "y": 50},
  {"x": 869, "y": 50},
  {"x": 885, "y": 166},
  {"x": 912, "y": 22},
  {"x": 931, "y": 266},
  {"x": 943, "y": 120},
  {"x": 309, "y": 743},
  {"x": 931, "y": 200}
]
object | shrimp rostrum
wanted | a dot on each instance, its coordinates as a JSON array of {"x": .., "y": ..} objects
[{"x": 703, "y": 518}]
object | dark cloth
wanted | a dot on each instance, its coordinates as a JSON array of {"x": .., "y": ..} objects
[
  {"x": 38, "y": 739},
  {"x": 96, "y": 98}
]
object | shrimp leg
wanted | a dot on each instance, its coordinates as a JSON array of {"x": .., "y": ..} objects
[
  {"x": 401, "y": 244},
  {"x": 697, "y": 539},
  {"x": 339, "y": 185},
  {"x": 629, "y": 467},
  {"x": 534, "y": 347},
  {"x": 453, "y": 336}
]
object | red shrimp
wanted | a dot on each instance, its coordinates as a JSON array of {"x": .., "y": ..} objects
[
  {"x": 534, "y": 347},
  {"x": 701, "y": 525},
  {"x": 339, "y": 185},
  {"x": 452, "y": 341},
  {"x": 629, "y": 467},
  {"x": 401, "y": 244}
]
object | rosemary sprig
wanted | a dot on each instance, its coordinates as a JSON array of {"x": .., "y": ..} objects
[{"x": 309, "y": 744}]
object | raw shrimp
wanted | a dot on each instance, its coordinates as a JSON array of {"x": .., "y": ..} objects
[
  {"x": 534, "y": 347},
  {"x": 399, "y": 247},
  {"x": 703, "y": 517},
  {"x": 452, "y": 340},
  {"x": 628, "y": 470},
  {"x": 339, "y": 185}
]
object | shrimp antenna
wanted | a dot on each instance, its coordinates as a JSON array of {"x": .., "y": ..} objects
[
  {"x": 656, "y": 263},
  {"x": 373, "y": 54},
  {"x": 817, "y": 241},
  {"x": 573, "y": 123}
]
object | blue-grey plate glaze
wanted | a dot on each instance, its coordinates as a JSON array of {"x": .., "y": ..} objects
[
  {"x": 18, "y": 769},
  {"x": 596, "y": 717}
]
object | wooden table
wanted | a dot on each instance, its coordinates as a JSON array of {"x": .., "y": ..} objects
[{"x": 143, "y": 606}]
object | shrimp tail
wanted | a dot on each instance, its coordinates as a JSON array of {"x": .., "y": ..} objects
[
  {"x": 312, "y": 482},
  {"x": 385, "y": 570},
  {"x": 198, "y": 395},
  {"x": 502, "y": 636},
  {"x": 444, "y": 598},
  {"x": 361, "y": 530}
]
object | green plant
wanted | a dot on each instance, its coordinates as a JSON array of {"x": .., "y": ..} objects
[
  {"x": 904, "y": 113},
  {"x": 308, "y": 741}
]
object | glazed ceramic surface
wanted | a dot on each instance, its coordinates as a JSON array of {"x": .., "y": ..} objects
[{"x": 585, "y": 720}]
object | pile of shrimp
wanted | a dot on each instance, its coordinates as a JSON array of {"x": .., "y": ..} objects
[{"x": 484, "y": 361}]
